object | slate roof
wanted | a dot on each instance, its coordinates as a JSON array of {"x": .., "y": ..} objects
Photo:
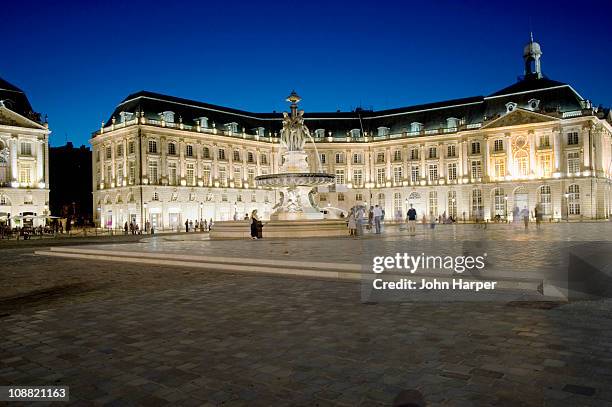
[
  {"x": 554, "y": 97},
  {"x": 16, "y": 100}
]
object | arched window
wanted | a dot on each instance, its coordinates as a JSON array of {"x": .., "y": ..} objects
[
  {"x": 545, "y": 199},
  {"x": 573, "y": 199},
  {"x": 499, "y": 202},
  {"x": 452, "y": 204},
  {"x": 476, "y": 202},
  {"x": 433, "y": 203}
]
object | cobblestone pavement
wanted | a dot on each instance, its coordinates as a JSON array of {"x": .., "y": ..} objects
[{"x": 127, "y": 334}]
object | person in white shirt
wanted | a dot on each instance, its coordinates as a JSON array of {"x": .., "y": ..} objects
[{"x": 377, "y": 216}]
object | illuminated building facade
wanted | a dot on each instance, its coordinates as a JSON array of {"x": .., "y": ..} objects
[
  {"x": 538, "y": 141},
  {"x": 24, "y": 160}
]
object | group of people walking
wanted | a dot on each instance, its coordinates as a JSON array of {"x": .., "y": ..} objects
[{"x": 360, "y": 218}]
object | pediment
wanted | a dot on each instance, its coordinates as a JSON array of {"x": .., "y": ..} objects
[
  {"x": 518, "y": 117},
  {"x": 10, "y": 118}
]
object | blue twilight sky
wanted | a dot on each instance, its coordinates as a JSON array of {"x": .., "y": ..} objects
[{"x": 77, "y": 61}]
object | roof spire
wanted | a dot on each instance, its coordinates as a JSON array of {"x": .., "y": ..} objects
[{"x": 531, "y": 35}]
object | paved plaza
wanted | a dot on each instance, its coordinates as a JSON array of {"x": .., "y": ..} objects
[{"x": 129, "y": 334}]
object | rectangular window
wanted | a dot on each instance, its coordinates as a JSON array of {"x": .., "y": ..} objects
[
  {"x": 339, "y": 176},
  {"x": 340, "y": 197},
  {"x": 206, "y": 175},
  {"x": 380, "y": 176},
  {"x": 451, "y": 151},
  {"x": 132, "y": 171},
  {"x": 572, "y": 138},
  {"x": 476, "y": 169},
  {"x": 172, "y": 178},
  {"x": 152, "y": 147},
  {"x": 221, "y": 154},
  {"x": 237, "y": 177},
  {"x": 573, "y": 162},
  {"x": 397, "y": 175},
  {"x": 433, "y": 203},
  {"x": 119, "y": 174},
  {"x": 452, "y": 171},
  {"x": 500, "y": 167},
  {"x": 433, "y": 152},
  {"x": 131, "y": 147},
  {"x": 206, "y": 153},
  {"x": 544, "y": 142},
  {"x": 236, "y": 155},
  {"x": 171, "y": 149},
  {"x": 153, "y": 176},
  {"x": 26, "y": 148},
  {"x": 25, "y": 175},
  {"x": 358, "y": 178},
  {"x": 120, "y": 150},
  {"x": 250, "y": 158},
  {"x": 339, "y": 158},
  {"x": 189, "y": 151},
  {"x": 397, "y": 155},
  {"x": 251, "y": 177},
  {"x": 323, "y": 158},
  {"x": 433, "y": 172},
  {"x": 264, "y": 159},
  {"x": 380, "y": 158},
  {"x": 476, "y": 147},
  {"x": 222, "y": 177},
  {"x": 357, "y": 158},
  {"x": 190, "y": 173},
  {"x": 109, "y": 153},
  {"x": 414, "y": 174},
  {"x": 498, "y": 145},
  {"x": 546, "y": 165}
]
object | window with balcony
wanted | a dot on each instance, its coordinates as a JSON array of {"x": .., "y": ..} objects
[
  {"x": 414, "y": 174},
  {"x": 172, "y": 178},
  {"x": 397, "y": 175},
  {"x": 476, "y": 169},
  {"x": 433, "y": 172},
  {"x": 358, "y": 178},
  {"x": 573, "y": 199},
  {"x": 500, "y": 167},
  {"x": 340, "y": 176},
  {"x": 573, "y": 162},
  {"x": 190, "y": 174},
  {"x": 153, "y": 175},
  {"x": 451, "y": 170},
  {"x": 381, "y": 177}
]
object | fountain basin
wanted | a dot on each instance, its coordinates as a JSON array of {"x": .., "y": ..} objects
[{"x": 288, "y": 179}]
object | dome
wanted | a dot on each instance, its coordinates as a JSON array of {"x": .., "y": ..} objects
[{"x": 532, "y": 48}]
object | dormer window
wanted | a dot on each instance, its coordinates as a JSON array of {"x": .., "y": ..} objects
[
  {"x": 416, "y": 127},
  {"x": 510, "y": 107},
  {"x": 260, "y": 131},
  {"x": 533, "y": 104},
  {"x": 320, "y": 133},
  {"x": 167, "y": 116},
  {"x": 232, "y": 127},
  {"x": 452, "y": 123},
  {"x": 383, "y": 131},
  {"x": 125, "y": 116},
  {"x": 203, "y": 122},
  {"x": 356, "y": 133}
]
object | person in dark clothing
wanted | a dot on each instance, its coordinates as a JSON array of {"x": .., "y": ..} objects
[
  {"x": 187, "y": 226},
  {"x": 255, "y": 228},
  {"x": 411, "y": 217}
]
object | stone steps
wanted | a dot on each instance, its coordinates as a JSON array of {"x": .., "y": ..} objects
[{"x": 278, "y": 267}]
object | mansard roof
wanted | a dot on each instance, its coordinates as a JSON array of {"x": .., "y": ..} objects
[
  {"x": 16, "y": 100},
  {"x": 554, "y": 98}
]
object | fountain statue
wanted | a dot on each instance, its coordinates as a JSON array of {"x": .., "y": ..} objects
[
  {"x": 296, "y": 214},
  {"x": 294, "y": 180}
]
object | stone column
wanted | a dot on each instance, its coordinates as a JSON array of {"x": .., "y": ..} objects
[
  {"x": 486, "y": 164},
  {"x": 532, "y": 153},
  {"x": 585, "y": 135},
  {"x": 181, "y": 169},
  {"x": 164, "y": 164},
  {"x": 40, "y": 161},
  {"x": 441, "y": 169},
  {"x": 14, "y": 151},
  {"x": 388, "y": 166},
  {"x": 510, "y": 163},
  {"x": 557, "y": 149},
  {"x": 461, "y": 159}
]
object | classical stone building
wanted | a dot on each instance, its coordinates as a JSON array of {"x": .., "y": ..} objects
[
  {"x": 24, "y": 160},
  {"x": 537, "y": 141}
]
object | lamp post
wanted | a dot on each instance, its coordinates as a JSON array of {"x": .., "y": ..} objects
[
  {"x": 566, "y": 195},
  {"x": 144, "y": 205},
  {"x": 453, "y": 213},
  {"x": 201, "y": 206},
  {"x": 506, "y": 208}
]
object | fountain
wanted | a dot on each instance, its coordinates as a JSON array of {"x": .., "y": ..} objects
[{"x": 296, "y": 214}]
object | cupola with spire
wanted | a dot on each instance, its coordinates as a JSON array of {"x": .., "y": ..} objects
[{"x": 531, "y": 54}]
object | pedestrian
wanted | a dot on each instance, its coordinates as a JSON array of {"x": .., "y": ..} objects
[
  {"x": 432, "y": 220},
  {"x": 210, "y": 224},
  {"x": 377, "y": 214},
  {"x": 411, "y": 219},
  {"x": 125, "y": 228},
  {"x": 254, "y": 224},
  {"x": 191, "y": 225},
  {"x": 352, "y": 223},
  {"x": 525, "y": 215},
  {"x": 197, "y": 226},
  {"x": 187, "y": 226},
  {"x": 370, "y": 217},
  {"x": 205, "y": 226},
  {"x": 538, "y": 215}
]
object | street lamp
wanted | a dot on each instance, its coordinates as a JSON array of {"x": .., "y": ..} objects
[
  {"x": 506, "y": 208},
  {"x": 201, "y": 206},
  {"x": 145, "y": 215},
  {"x": 566, "y": 195}
]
